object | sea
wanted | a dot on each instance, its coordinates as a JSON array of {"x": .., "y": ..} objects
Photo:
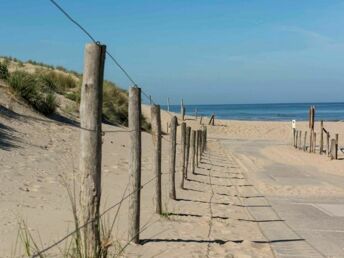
[{"x": 266, "y": 112}]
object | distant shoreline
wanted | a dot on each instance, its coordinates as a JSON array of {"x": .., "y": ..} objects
[{"x": 280, "y": 112}]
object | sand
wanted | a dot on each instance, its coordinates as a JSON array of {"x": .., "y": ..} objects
[{"x": 39, "y": 157}]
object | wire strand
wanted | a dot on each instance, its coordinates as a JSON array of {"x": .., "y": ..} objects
[
  {"x": 37, "y": 254},
  {"x": 69, "y": 17}
]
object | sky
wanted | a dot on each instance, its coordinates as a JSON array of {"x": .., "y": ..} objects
[{"x": 204, "y": 51}]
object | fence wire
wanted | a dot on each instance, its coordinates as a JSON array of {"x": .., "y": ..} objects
[{"x": 126, "y": 130}]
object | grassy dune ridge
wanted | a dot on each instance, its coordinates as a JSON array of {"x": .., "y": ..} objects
[{"x": 49, "y": 89}]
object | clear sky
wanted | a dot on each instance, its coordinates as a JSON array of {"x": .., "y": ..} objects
[{"x": 206, "y": 51}]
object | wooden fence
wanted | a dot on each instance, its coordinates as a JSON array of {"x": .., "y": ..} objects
[
  {"x": 307, "y": 140},
  {"x": 192, "y": 146}
]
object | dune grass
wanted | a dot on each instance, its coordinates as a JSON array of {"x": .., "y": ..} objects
[
  {"x": 40, "y": 87},
  {"x": 4, "y": 74},
  {"x": 34, "y": 90}
]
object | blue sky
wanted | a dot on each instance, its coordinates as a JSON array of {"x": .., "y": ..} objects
[{"x": 230, "y": 51}]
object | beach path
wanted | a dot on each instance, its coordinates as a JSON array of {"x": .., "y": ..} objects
[{"x": 305, "y": 192}]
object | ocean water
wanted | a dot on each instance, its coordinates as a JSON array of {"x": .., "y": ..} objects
[{"x": 267, "y": 112}]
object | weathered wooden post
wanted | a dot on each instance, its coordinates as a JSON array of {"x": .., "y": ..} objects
[
  {"x": 182, "y": 150},
  {"x": 336, "y": 147},
  {"x": 201, "y": 143},
  {"x": 333, "y": 149},
  {"x": 173, "y": 144},
  {"x": 300, "y": 137},
  {"x": 296, "y": 139},
  {"x": 197, "y": 147},
  {"x": 134, "y": 113},
  {"x": 314, "y": 141},
  {"x": 200, "y": 121},
  {"x": 91, "y": 145},
  {"x": 328, "y": 143},
  {"x": 305, "y": 142},
  {"x": 187, "y": 151},
  {"x": 156, "y": 134},
  {"x": 294, "y": 132},
  {"x": 212, "y": 119},
  {"x": 311, "y": 127},
  {"x": 203, "y": 140},
  {"x": 321, "y": 150},
  {"x": 182, "y": 110},
  {"x": 193, "y": 148},
  {"x": 168, "y": 104},
  {"x": 205, "y": 137}
]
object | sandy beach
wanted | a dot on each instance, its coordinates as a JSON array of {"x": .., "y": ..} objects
[{"x": 216, "y": 217}]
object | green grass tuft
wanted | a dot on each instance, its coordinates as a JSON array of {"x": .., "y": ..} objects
[
  {"x": 34, "y": 90},
  {"x": 4, "y": 74}
]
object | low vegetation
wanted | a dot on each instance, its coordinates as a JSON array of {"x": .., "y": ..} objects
[
  {"x": 40, "y": 86},
  {"x": 4, "y": 74},
  {"x": 35, "y": 90}
]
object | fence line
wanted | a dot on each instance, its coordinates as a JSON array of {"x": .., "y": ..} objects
[
  {"x": 90, "y": 161},
  {"x": 332, "y": 145}
]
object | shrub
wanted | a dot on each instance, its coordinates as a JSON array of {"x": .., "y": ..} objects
[
  {"x": 31, "y": 89},
  {"x": 3, "y": 71}
]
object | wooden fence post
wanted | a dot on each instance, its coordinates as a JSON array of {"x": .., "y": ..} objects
[
  {"x": 305, "y": 142},
  {"x": 333, "y": 149},
  {"x": 91, "y": 144},
  {"x": 300, "y": 140},
  {"x": 296, "y": 138},
  {"x": 187, "y": 151},
  {"x": 201, "y": 142},
  {"x": 156, "y": 134},
  {"x": 328, "y": 144},
  {"x": 206, "y": 137},
  {"x": 193, "y": 146},
  {"x": 310, "y": 141},
  {"x": 200, "y": 121},
  {"x": 182, "y": 150},
  {"x": 182, "y": 110},
  {"x": 173, "y": 151},
  {"x": 314, "y": 141},
  {"x": 197, "y": 147},
  {"x": 336, "y": 147},
  {"x": 321, "y": 137},
  {"x": 212, "y": 119},
  {"x": 134, "y": 113}
]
